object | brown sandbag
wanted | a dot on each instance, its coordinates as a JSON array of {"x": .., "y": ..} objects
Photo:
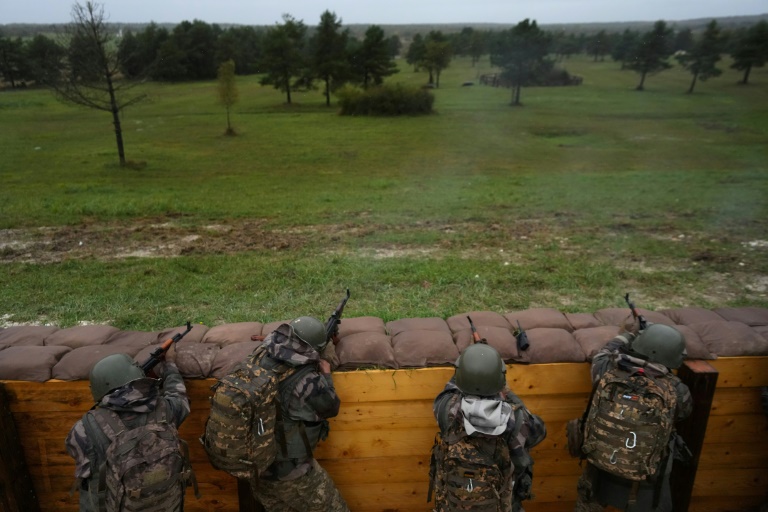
[
  {"x": 434, "y": 323},
  {"x": 551, "y": 345},
  {"x": 18, "y": 335},
  {"x": 193, "y": 336},
  {"x": 194, "y": 360},
  {"x": 77, "y": 363},
  {"x": 485, "y": 318},
  {"x": 361, "y": 324},
  {"x": 623, "y": 317},
  {"x": 592, "y": 339},
  {"x": 694, "y": 315},
  {"x": 582, "y": 321},
  {"x": 694, "y": 346},
  {"x": 746, "y": 315},
  {"x": 81, "y": 336},
  {"x": 30, "y": 363},
  {"x": 139, "y": 339},
  {"x": 366, "y": 349},
  {"x": 230, "y": 355},
  {"x": 500, "y": 338},
  {"x": 420, "y": 347},
  {"x": 538, "y": 317},
  {"x": 232, "y": 333},
  {"x": 731, "y": 339}
]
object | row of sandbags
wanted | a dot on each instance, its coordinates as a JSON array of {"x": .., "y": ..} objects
[{"x": 40, "y": 353}]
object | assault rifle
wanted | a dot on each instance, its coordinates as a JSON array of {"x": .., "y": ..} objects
[
  {"x": 475, "y": 335},
  {"x": 157, "y": 354},
  {"x": 522, "y": 338},
  {"x": 332, "y": 325},
  {"x": 642, "y": 323}
]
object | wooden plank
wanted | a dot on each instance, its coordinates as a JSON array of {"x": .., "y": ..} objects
[
  {"x": 733, "y": 482},
  {"x": 742, "y": 428},
  {"x": 701, "y": 379},
  {"x": 731, "y": 401},
  {"x": 741, "y": 372},
  {"x": 18, "y": 491},
  {"x": 726, "y": 503},
  {"x": 734, "y": 455}
]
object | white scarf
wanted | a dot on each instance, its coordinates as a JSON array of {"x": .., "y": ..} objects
[{"x": 485, "y": 416}]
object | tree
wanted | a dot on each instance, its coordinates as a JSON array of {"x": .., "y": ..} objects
[
  {"x": 283, "y": 56},
  {"x": 521, "y": 53},
  {"x": 437, "y": 55},
  {"x": 329, "y": 54},
  {"x": 12, "y": 61},
  {"x": 703, "y": 55},
  {"x": 624, "y": 47},
  {"x": 651, "y": 53},
  {"x": 91, "y": 75},
  {"x": 228, "y": 95},
  {"x": 395, "y": 45},
  {"x": 139, "y": 53},
  {"x": 599, "y": 45},
  {"x": 751, "y": 50},
  {"x": 45, "y": 58},
  {"x": 372, "y": 59},
  {"x": 683, "y": 41},
  {"x": 416, "y": 50}
]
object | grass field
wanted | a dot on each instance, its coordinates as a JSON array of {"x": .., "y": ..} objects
[{"x": 583, "y": 194}]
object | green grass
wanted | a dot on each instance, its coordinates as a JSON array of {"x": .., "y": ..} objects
[{"x": 584, "y": 192}]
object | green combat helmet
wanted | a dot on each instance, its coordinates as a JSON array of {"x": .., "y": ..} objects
[
  {"x": 310, "y": 331},
  {"x": 662, "y": 344},
  {"x": 111, "y": 373},
  {"x": 480, "y": 371}
]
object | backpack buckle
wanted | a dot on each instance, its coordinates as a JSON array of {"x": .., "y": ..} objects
[{"x": 634, "y": 441}]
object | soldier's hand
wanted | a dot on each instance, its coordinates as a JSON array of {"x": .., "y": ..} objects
[
  {"x": 325, "y": 366},
  {"x": 170, "y": 354}
]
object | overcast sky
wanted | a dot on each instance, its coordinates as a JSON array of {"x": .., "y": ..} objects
[{"x": 267, "y": 12}]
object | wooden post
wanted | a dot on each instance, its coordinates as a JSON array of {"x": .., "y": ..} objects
[
  {"x": 245, "y": 497},
  {"x": 701, "y": 379},
  {"x": 17, "y": 493}
]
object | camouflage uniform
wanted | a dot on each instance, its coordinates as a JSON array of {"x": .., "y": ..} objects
[
  {"x": 447, "y": 410},
  {"x": 596, "y": 486},
  {"x": 136, "y": 398},
  {"x": 295, "y": 482}
]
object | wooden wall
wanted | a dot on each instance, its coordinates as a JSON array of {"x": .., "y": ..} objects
[{"x": 378, "y": 449}]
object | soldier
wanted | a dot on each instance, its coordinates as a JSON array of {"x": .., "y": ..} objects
[
  {"x": 650, "y": 353},
  {"x": 481, "y": 461},
  {"x": 126, "y": 399},
  {"x": 295, "y": 482}
]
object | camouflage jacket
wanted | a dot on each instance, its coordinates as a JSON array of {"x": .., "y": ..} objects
[
  {"x": 616, "y": 349},
  {"x": 129, "y": 401},
  {"x": 447, "y": 409},
  {"x": 307, "y": 399}
]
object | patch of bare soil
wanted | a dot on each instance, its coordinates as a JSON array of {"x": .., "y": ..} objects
[{"x": 140, "y": 238}]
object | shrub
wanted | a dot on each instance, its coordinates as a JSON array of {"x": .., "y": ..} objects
[{"x": 385, "y": 100}]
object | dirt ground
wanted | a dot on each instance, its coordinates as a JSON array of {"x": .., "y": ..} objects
[{"x": 140, "y": 238}]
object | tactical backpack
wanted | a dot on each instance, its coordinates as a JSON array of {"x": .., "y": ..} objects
[
  {"x": 244, "y": 429},
  {"x": 471, "y": 472},
  {"x": 629, "y": 422},
  {"x": 145, "y": 465}
]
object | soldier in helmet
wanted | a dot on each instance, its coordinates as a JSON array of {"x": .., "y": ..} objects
[
  {"x": 653, "y": 352},
  {"x": 295, "y": 482},
  {"x": 481, "y": 461},
  {"x": 120, "y": 385}
]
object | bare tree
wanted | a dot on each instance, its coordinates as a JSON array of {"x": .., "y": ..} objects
[
  {"x": 91, "y": 75},
  {"x": 227, "y": 90}
]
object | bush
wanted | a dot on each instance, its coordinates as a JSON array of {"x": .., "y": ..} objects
[{"x": 385, "y": 100}]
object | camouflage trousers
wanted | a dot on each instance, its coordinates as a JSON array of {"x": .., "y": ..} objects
[
  {"x": 585, "y": 497},
  {"x": 313, "y": 492}
]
